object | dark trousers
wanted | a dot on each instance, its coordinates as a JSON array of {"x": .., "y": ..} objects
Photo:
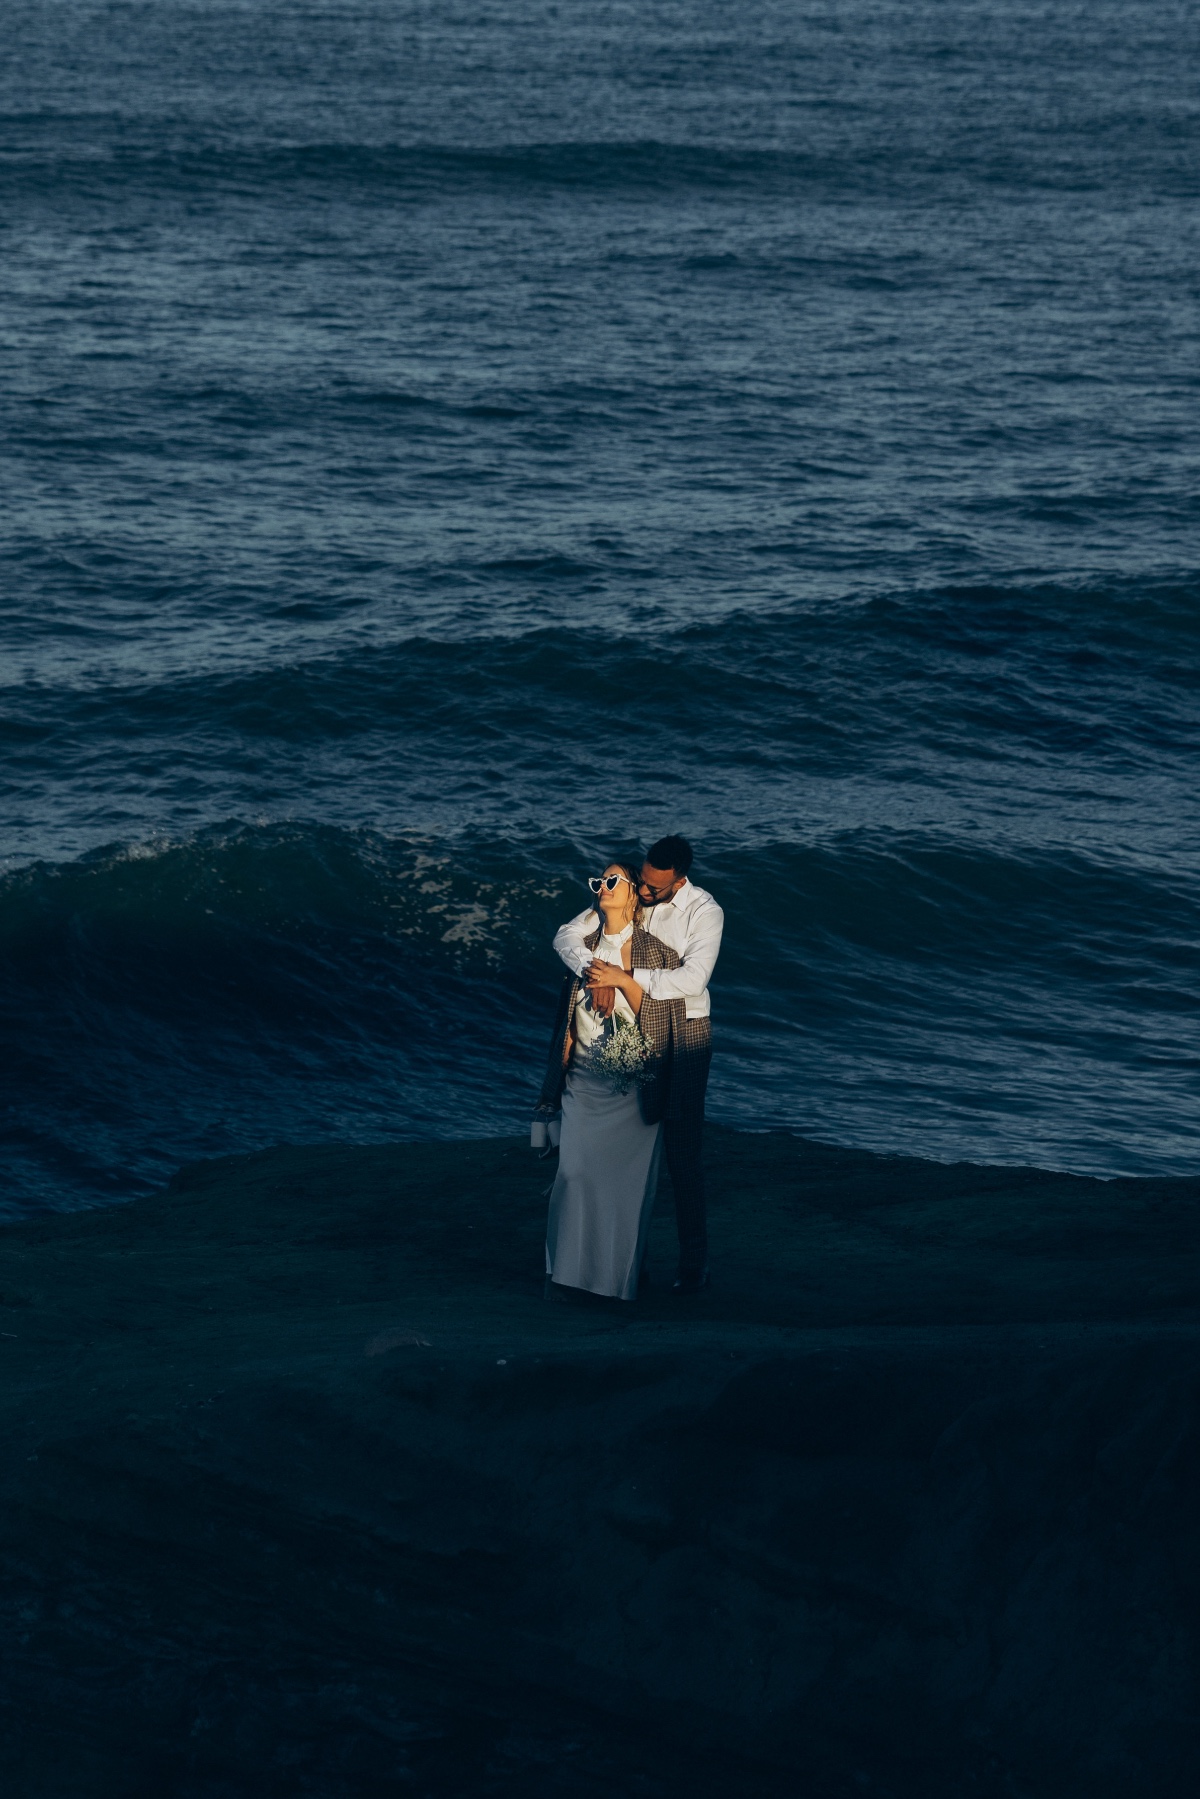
[{"x": 681, "y": 1140}]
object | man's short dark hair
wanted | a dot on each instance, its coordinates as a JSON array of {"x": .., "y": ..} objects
[{"x": 674, "y": 853}]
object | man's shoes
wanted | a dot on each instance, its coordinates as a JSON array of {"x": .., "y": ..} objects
[{"x": 690, "y": 1283}]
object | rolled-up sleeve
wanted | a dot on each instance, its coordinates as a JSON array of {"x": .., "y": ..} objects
[
  {"x": 699, "y": 954},
  {"x": 568, "y": 941}
]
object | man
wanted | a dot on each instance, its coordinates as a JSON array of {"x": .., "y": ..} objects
[{"x": 689, "y": 921}]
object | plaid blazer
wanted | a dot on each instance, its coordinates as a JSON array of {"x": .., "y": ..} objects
[{"x": 682, "y": 1044}]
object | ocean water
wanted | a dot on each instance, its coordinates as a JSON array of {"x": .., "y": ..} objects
[{"x": 441, "y": 446}]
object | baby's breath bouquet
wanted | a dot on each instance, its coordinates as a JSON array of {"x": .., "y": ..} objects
[{"x": 623, "y": 1057}]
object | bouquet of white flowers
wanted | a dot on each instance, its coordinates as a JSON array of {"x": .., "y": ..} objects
[{"x": 623, "y": 1057}]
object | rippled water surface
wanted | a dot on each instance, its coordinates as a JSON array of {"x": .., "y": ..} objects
[{"x": 441, "y": 446}]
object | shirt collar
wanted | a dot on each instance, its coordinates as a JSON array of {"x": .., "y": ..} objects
[{"x": 682, "y": 897}]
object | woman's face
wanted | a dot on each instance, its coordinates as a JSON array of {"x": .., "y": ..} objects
[{"x": 620, "y": 895}]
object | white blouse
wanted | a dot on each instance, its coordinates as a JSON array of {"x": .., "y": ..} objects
[{"x": 588, "y": 1027}]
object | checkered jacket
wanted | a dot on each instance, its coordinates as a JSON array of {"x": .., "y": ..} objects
[{"x": 682, "y": 1044}]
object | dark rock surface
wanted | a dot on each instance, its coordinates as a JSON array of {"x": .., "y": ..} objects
[{"x": 307, "y": 1492}]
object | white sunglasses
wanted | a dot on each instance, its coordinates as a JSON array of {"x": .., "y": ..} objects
[{"x": 596, "y": 882}]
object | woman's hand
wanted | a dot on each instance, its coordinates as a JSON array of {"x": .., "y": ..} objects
[{"x": 605, "y": 974}]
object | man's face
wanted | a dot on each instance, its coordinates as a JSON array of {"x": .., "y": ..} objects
[{"x": 658, "y": 885}]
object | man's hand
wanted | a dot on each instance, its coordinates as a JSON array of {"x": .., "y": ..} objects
[{"x": 604, "y": 1000}]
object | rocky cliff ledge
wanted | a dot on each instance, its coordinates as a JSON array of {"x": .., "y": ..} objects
[{"x": 306, "y": 1491}]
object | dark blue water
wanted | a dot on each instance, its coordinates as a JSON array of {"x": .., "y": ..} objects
[{"x": 442, "y": 445}]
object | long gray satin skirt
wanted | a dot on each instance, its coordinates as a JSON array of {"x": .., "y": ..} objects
[{"x": 603, "y": 1195}]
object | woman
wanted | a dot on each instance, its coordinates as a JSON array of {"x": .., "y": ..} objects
[{"x": 610, "y": 1141}]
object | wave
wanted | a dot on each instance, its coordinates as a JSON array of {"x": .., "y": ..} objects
[
  {"x": 87, "y": 157},
  {"x": 1152, "y": 619},
  {"x": 257, "y": 983},
  {"x": 1059, "y": 686},
  {"x": 416, "y": 170},
  {"x": 170, "y": 999}
]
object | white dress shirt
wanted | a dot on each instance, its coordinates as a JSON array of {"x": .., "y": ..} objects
[{"x": 691, "y": 924}]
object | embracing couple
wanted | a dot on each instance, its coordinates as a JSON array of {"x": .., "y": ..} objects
[{"x": 628, "y": 1069}]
